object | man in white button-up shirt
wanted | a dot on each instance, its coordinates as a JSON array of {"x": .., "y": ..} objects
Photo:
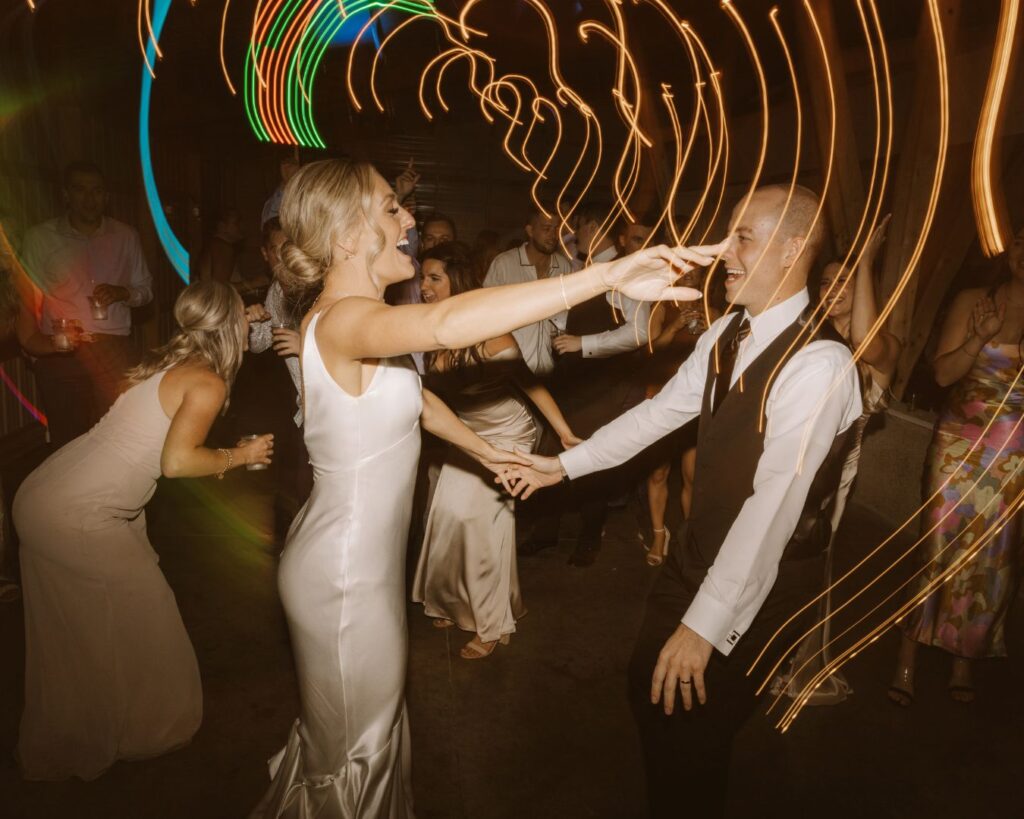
[
  {"x": 633, "y": 329},
  {"x": 752, "y": 553},
  {"x": 89, "y": 268},
  {"x": 536, "y": 258}
]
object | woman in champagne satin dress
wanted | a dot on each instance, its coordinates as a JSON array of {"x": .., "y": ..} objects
[
  {"x": 342, "y": 569},
  {"x": 109, "y": 670},
  {"x": 466, "y": 575}
]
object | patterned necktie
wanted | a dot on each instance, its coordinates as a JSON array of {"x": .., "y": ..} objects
[{"x": 726, "y": 363}]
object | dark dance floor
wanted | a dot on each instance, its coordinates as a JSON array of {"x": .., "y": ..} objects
[{"x": 541, "y": 728}]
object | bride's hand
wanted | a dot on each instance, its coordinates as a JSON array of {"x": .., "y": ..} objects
[
  {"x": 525, "y": 480},
  {"x": 499, "y": 461},
  {"x": 648, "y": 274}
]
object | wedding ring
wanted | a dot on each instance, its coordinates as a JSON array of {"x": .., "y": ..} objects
[{"x": 684, "y": 682}]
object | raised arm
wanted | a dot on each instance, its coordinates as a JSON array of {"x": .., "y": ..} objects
[
  {"x": 185, "y": 454},
  {"x": 359, "y": 328},
  {"x": 883, "y": 352},
  {"x": 973, "y": 321}
]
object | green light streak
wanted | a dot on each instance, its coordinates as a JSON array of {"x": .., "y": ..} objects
[{"x": 304, "y": 63}]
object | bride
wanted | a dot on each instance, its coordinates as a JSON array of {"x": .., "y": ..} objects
[{"x": 342, "y": 573}]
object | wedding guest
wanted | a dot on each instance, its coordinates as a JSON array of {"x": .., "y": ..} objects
[
  {"x": 78, "y": 260},
  {"x": 109, "y": 670},
  {"x": 636, "y": 234},
  {"x": 757, "y": 531},
  {"x": 973, "y": 485},
  {"x": 342, "y": 574},
  {"x": 593, "y": 383},
  {"x": 438, "y": 229},
  {"x": 675, "y": 330},
  {"x": 534, "y": 260},
  {"x": 466, "y": 575},
  {"x": 275, "y": 324},
  {"x": 852, "y": 311}
]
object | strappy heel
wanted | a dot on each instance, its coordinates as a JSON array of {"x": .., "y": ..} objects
[
  {"x": 657, "y": 559},
  {"x": 476, "y": 649}
]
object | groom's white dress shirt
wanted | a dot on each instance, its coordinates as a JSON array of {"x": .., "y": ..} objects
[{"x": 815, "y": 397}]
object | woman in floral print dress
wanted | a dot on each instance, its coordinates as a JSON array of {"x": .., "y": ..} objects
[{"x": 974, "y": 485}]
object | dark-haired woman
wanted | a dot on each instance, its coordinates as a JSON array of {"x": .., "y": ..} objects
[
  {"x": 342, "y": 576},
  {"x": 109, "y": 670},
  {"x": 852, "y": 309},
  {"x": 467, "y": 569},
  {"x": 971, "y": 553}
]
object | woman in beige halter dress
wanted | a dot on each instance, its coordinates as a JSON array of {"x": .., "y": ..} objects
[
  {"x": 466, "y": 575},
  {"x": 342, "y": 570},
  {"x": 109, "y": 670},
  {"x": 853, "y": 310}
]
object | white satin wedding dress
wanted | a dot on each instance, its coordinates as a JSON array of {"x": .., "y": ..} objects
[{"x": 342, "y": 582}]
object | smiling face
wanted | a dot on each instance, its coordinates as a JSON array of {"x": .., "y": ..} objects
[
  {"x": 389, "y": 223},
  {"x": 760, "y": 261},
  {"x": 840, "y": 301},
  {"x": 436, "y": 285}
]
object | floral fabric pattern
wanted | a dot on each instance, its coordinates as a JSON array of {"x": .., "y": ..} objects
[{"x": 976, "y": 475}]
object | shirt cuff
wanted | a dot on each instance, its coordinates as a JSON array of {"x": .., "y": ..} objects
[
  {"x": 576, "y": 462},
  {"x": 589, "y": 348},
  {"x": 712, "y": 620}
]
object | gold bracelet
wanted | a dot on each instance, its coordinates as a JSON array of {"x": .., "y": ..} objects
[
  {"x": 230, "y": 463},
  {"x": 561, "y": 282}
]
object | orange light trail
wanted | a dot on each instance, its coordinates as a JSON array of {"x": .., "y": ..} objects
[
  {"x": 987, "y": 197},
  {"x": 943, "y": 142}
]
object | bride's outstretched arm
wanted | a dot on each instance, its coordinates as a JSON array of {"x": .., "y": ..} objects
[
  {"x": 361, "y": 328},
  {"x": 438, "y": 419}
]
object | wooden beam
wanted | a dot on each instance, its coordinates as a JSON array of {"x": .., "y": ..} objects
[
  {"x": 845, "y": 200},
  {"x": 915, "y": 169}
]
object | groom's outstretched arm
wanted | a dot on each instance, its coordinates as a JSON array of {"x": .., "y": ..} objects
[{"x": 632, "y": 432}]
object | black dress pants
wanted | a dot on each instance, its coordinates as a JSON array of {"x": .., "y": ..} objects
[
  {"x": 78, "y": 388},
  {"x": 687, "y": 754}
]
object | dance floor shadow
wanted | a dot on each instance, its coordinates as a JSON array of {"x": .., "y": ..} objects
[{"x": 541, "y": 728}]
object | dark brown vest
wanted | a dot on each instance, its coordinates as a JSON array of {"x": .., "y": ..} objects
[
  {"x": 592, "y": 391},
  {"x": 729, "y": 447}
]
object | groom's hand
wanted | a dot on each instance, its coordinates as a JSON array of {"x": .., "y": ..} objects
[{"x": 681, "y": 664}]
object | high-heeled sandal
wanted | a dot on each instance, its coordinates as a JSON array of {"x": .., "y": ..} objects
[
  {"x": 476, "y": 649},
  {"x": 658, "y": 559},
  {"x": 901, "y": 691}
]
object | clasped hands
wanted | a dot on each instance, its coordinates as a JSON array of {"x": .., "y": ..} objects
[{"x": 685, "y": 655}]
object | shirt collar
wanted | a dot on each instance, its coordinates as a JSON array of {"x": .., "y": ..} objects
[
  {"x": 558, "y": 261},
  {"x": 64, "y": 226},
  {"x": 765, "y": 326}
]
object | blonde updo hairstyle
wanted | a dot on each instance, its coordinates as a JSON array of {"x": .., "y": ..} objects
[
  {"x": 212, "y": 330},
  {"x": 325, "y": 201}
]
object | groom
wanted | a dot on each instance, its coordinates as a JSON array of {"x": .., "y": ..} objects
[{"x": 752, "y": 553}]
